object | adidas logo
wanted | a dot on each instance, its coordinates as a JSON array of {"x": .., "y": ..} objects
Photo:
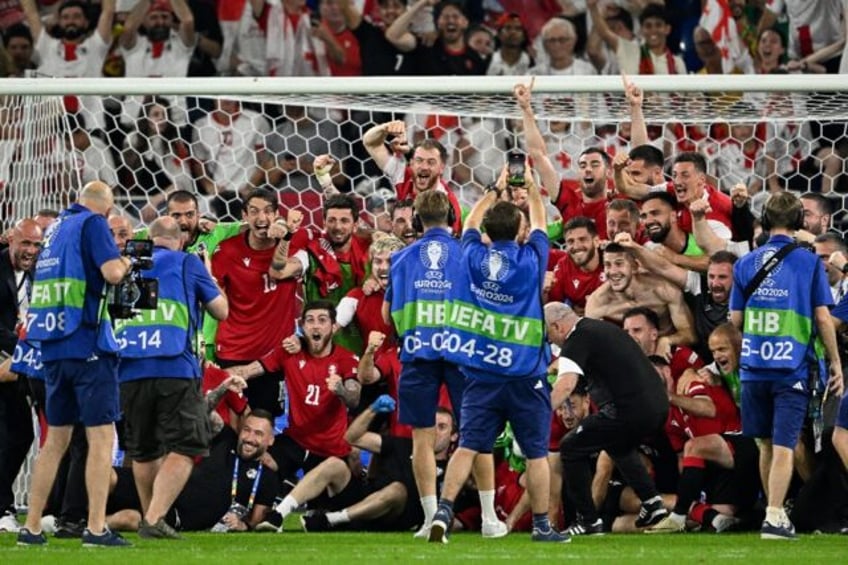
[{"x": 538, "y": 385}]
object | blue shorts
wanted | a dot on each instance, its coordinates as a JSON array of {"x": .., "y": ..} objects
[
  {"x": 81, "y": 390},
  {"x": 418, "y": 391},
  {"x": 842, "y": 415},
  {"x": 525, "y": 403},
  {"x": 774, "y": 409}
]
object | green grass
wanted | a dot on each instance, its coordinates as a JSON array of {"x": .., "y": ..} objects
[{"x": 295, "y": 547}]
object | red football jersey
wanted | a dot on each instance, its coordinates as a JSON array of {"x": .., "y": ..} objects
[
  {"x": 574, "y": 284},
  {"x": 405, "y": 191},
  {"x": 369, "y": 317},
  {"x": 388, "y": 365},
  {"x": 317, "y": 416},
  {"x": 681, "y": 426},
  {"x": 721, "y": 208},
  {"x": 570, "y": 203},
  {"x": 683, "y": 358},
  {"x": 262, "y": 311}
]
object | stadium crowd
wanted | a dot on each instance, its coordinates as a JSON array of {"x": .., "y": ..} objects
[{"x": 656, "y": 232}]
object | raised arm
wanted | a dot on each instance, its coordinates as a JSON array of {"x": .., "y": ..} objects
[
  {"x": 282, "y": 266},
  {"x": 32, "y": 18},
  {"x": 534, "y": 141},
  {"x": 654, "y": 262},
  {"x": 398, "y": 33},
  {"x": 624, "y": 183},
  {"x": 681, "y": 316},
  {"x": 374, "y": 141},
  {"x": 367, "y": 372},
  {"x": 186, "y": 17},
  {"x": 352, "y": 16},
  {"x": 599, "y": 23},
  {"x": 635, "y": 98},
  {"x": 133, "y": 22},
  {"x": 104, "y": 22}
]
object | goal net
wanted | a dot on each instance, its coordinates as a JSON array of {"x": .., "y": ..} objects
[{"x": 146, "y": 137}]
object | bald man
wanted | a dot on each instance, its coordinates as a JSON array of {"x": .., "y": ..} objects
[
  {"x": 16, "y": 262},
  {"x": 79, "y": 352},
  {"x": 165, "y": 423},
  {"x": 122, "y": 230}
]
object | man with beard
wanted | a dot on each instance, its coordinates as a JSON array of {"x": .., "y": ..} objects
[
  {"x": 707, "y": 295},
  {"x": 660, "y": 222},
  {"x": 208, "y": 497},
  {"x": 161, "y": 51},
  {"x": 579, "y": 272},
  {"x": 425, "y": 172},
  {"x": 321, "y": 384},
  {"x": 625, "y": 288},
  {"x": 244, "y": 266},
  {"x": 817, "y": 212},
  {"x": 331, "y": 263},
  {"x": 449, "y": 55},
  {"x": 623, "y": 217},
  {"x": 402, "y": 228},
  {"x": 16, "y": 433},
  {"x": 73, "y": 52},
  {"x": 591, "y": 199},
  {"x": 379, "y": 56},
  {"x": 642, "y": 324},
  {"x": 511, "y": 56}
]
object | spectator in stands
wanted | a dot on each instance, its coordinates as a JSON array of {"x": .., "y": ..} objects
[
  {"x": 771, "y": 51},
  {"x": 620, "y": 22},
  {"x": 651, "y": 55},
  {"x": 482, "y": 40},
  {"x": 243, "y": 51},
  {"x": 160, "y": 52},
  {"x": 559, "y": 37},
  {"x": 710, "y": 55},
  {"x": 511, "y": 56},
  {"x": 379, "y": 56},
  {"x": 75, "y": 53},
  {"x": 156, "y": 158},
  {"x": 295, "y": 45},
  {"x": 17, "y": 40},
  {"x": 333, "y": 19},
  {"x": 449, "y": 55},
  {"x": 210, "y": 38},
  {"x": 229, "y": 145},
  {"x": 625, "y": 286},
  {"x": 88, "y": 154},
  {"x": 812, "y": 25}
]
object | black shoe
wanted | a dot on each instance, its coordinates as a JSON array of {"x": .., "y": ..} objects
[
  {"x": 651, "y": 513},
  {"x": 315, "y": 522},
  {"x": 159, "y": 530},
  {"x": 272, "y": 523},
  {"x": 584, "y": 528},
  {"x": 69, "y": 529}
]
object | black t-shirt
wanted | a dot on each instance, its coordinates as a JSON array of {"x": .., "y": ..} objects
[
  {"x": 708, "y": 316},
  {"x": 393, "y": 463},
  {"x": 207, "y": 494},
  {"x": 206, "y": 24},
  {"x": 438, "y": 60},
  {"x": 622, "y": 381},
  {"x": 379, "y": 56}
]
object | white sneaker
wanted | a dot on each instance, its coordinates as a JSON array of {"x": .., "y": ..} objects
[
  {"x": 8, "y": 523},
  {"x": 496, "y": 529},
  {"x": 424, "y": 532},
  {"x": 48, "y": 524}
]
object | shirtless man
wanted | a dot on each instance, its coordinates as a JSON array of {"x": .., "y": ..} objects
[{"x": 627, "y": 288}]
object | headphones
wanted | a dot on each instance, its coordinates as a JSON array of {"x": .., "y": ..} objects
[
  {"x": 418, "y": 226},
  {"x": 796, "y": 224}
]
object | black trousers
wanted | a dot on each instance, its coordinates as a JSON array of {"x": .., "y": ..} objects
[
  {"x": 620, "y": 438},
  {"x": 16, "y": 437}
]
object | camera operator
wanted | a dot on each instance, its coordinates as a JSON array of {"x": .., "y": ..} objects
[
  {"x": 164, "y": 412},
  {"x": 79, "y": 353}
]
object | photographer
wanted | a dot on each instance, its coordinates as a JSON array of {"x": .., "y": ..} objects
[
  {"x": 79, "y": 353},
  {"x": 164, "y": 413}
]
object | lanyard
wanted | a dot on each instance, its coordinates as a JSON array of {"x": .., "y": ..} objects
[{"x": 252, "y": 490}]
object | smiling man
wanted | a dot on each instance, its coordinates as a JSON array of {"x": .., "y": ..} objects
[
  {"x": 242, "y": 265},
  {"x": 580, "y": 272}
]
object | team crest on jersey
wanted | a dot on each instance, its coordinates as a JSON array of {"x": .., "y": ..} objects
[
  {"x": 495, "y": 266},
  {"x": 301, "y": 364},
  {"x": 434, "y": 255},
  {"x": 246, "y": 261},
  {"x": 575, "y": 282}
]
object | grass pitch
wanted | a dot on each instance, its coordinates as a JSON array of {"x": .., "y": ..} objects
[{"x": 295, "y": 547}]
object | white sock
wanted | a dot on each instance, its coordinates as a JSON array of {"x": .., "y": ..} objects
[
  {"x": 775, "y": 515},
  {"x": 429, "y": 505},
  {"x": 487, "y": 505},
  {"x": 287, "y": 505},
  {"x": 340, "y": 517}
]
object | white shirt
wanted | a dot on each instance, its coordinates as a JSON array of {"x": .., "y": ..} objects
[
  {"x": 813, "y": 24},
  {"x": 629, "y": 54},
  {"x": 83, "y": 60},
  {"x": 498, "y": 67},
  {"x": 244, "y": 40},
  {"x": 229, "y": 150}
]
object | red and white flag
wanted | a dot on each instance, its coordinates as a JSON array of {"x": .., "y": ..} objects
[{"x": 717, "y": 19}]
